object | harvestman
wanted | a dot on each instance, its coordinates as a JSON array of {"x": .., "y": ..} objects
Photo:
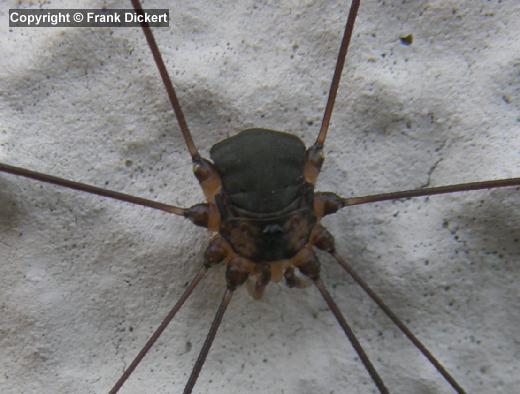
[{"x": 258, "y": 242}]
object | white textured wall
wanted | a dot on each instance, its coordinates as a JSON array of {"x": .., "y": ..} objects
[{"x": 84, "y": 280}]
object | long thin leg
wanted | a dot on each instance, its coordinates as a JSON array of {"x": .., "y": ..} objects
[
  {"x": 157, "y": 333},
  {"x": 461, "y": 187},
  {"x": 337, "y": 72},
  {"x": 351, "y": 336},
  {"x": 209, "y": 340},
  {"x": 168, "y": 84},
  {"x": 398, "y": 322},
  {"x": 90, "y": 189}
]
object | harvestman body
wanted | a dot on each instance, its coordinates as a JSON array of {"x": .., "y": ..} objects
[{"x": 260, "y": 200}]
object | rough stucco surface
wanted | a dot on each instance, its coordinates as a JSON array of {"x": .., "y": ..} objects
[{"x": 84, "y": 280}]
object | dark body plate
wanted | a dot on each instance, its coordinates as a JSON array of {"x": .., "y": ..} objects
[{"x": 265, "y": 203}]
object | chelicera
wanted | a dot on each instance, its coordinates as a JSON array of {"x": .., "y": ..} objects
[{"x": 262, "y": 206}]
